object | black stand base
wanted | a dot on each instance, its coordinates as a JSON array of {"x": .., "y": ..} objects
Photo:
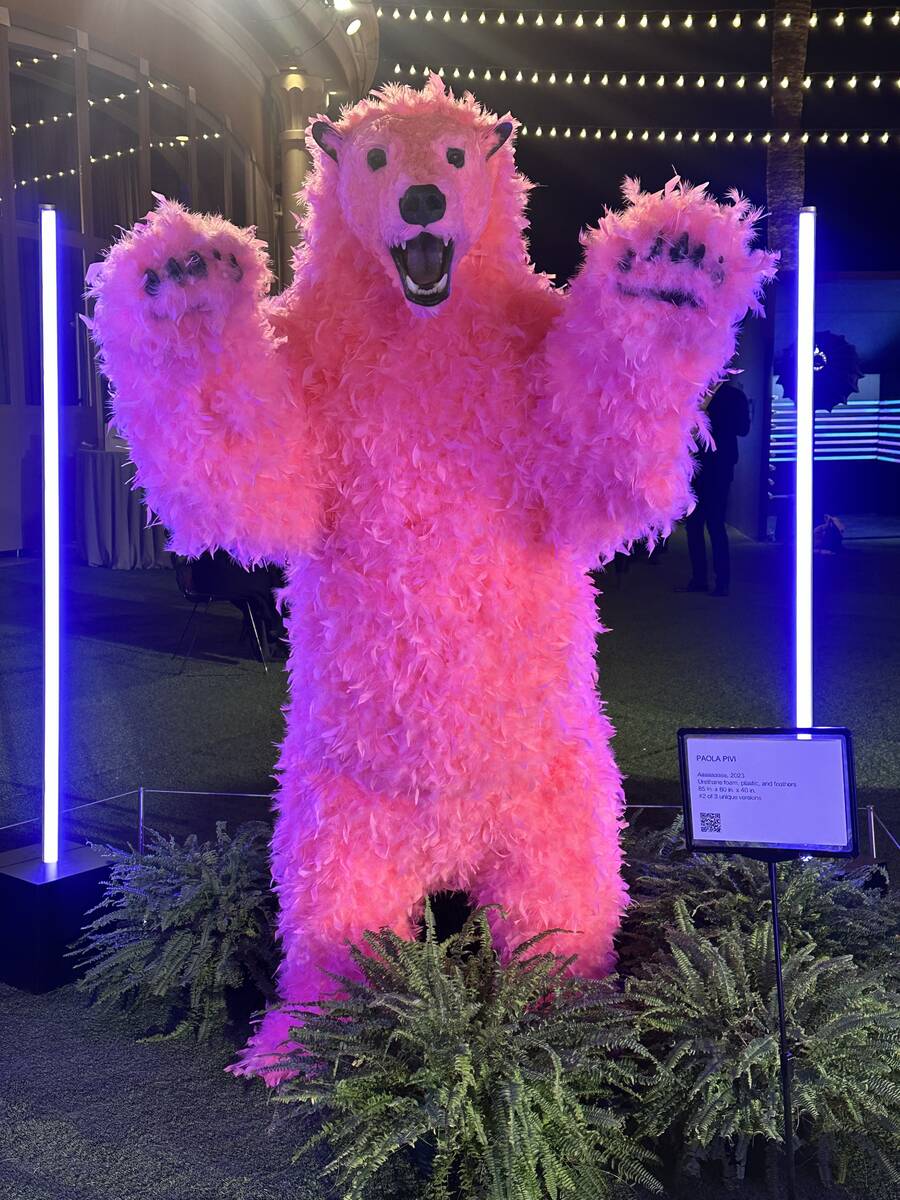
[{"x": 42, "y": 911}]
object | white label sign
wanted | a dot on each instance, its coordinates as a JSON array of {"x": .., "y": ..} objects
[{"x": 768, "y": 791}]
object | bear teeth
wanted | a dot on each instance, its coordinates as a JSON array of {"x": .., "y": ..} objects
[{"x": 427, "y": 291}]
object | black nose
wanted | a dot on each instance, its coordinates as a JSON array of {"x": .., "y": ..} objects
[{"x": 422, "y": 204}]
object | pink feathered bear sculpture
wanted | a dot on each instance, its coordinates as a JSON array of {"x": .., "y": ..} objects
[{"x": 438, "y": 444}]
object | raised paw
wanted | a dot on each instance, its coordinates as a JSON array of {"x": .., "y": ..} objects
[
  {"x": 659, "y": 282},
  {"x": 176, "y": 265},
  {"x": 681, "y": 248}
]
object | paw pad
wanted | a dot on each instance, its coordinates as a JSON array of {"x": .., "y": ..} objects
[{"x": 194, "y": 267}]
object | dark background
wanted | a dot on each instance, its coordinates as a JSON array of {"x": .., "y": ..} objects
[{"x": 854, "y": 186}]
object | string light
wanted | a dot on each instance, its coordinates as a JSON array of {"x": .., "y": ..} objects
[
  {"x": 552, "y": 76},
  {"x": 687, "y": 19},
  {"x": 864, "y": 137},
  {"x": 55, "y": 118},
  {"x": 36, "y": 60}
]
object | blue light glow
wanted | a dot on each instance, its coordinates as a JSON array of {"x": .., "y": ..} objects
[
  {"x": 50, "y": 392},
  {"x": 803, "y": 532},
  {"x": 864, "y": 428}
]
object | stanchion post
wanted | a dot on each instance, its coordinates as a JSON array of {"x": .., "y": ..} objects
[
  {"x": 785, "y": 1056},
  {"x": 870, "y": 821}
]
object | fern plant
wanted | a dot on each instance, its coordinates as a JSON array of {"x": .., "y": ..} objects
[
  {"x": 706, "y": 1009},
  {"x": 513, "y": 1078},
  {"x": 181, "y": 929},
  {"x": 824, "y": 903}
]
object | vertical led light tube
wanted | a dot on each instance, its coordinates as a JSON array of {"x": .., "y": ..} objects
[
  {"x": 803, "y": 532},
  {"x": 50, "y": 396}
]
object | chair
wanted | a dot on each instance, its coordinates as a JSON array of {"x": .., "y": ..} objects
[{"x": 210, "y": 580}]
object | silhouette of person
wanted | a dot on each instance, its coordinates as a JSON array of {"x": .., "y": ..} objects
[{"x": 729, "y": 417}]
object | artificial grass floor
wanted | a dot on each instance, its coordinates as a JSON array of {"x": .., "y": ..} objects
[{"x": 88, "y": 1114}]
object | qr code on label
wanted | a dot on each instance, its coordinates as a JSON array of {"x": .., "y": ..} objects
[{"x": 710, "y": 822}]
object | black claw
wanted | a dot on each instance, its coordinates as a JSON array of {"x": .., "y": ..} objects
[
  {"x": 656, "y": 248},
  {"x": 151, "y": 282},
  {"x": 236, "y": 268},
  {"x": 626, "y": 262},
  {"x": 175, "y": 270},
  {"x": 196, "y": 264},
  {"x": 679, "y": 251},
  {"x": 697, "y": 254}
]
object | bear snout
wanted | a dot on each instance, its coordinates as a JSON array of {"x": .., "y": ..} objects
[{"x": 422, "y": 203}]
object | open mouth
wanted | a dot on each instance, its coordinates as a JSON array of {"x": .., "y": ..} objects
[{"x": 424, "y": 265}]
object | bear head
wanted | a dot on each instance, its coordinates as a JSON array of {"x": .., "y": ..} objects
[{"x": 420, "y": 180}]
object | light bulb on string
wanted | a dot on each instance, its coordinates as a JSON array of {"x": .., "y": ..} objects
[
  {"x": 621, "y": 21},
  {"x": 713, "y": 21}
]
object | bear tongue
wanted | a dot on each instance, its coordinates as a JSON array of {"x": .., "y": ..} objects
[{"x": 425, "y": 259}]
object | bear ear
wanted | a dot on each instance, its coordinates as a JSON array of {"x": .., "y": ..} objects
[
  {"x": 499, "y": 135},
  {"x": 327, "y": 138}
]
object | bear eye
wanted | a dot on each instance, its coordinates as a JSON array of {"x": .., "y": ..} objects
[
  {"x": 376, "y": 159},
  {"x": 456, "y": 157}
]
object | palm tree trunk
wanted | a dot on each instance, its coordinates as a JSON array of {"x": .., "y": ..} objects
[{"x": 786, "y": 163}]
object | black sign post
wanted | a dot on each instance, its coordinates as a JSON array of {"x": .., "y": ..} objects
[{"x": 772, "y": 795}]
